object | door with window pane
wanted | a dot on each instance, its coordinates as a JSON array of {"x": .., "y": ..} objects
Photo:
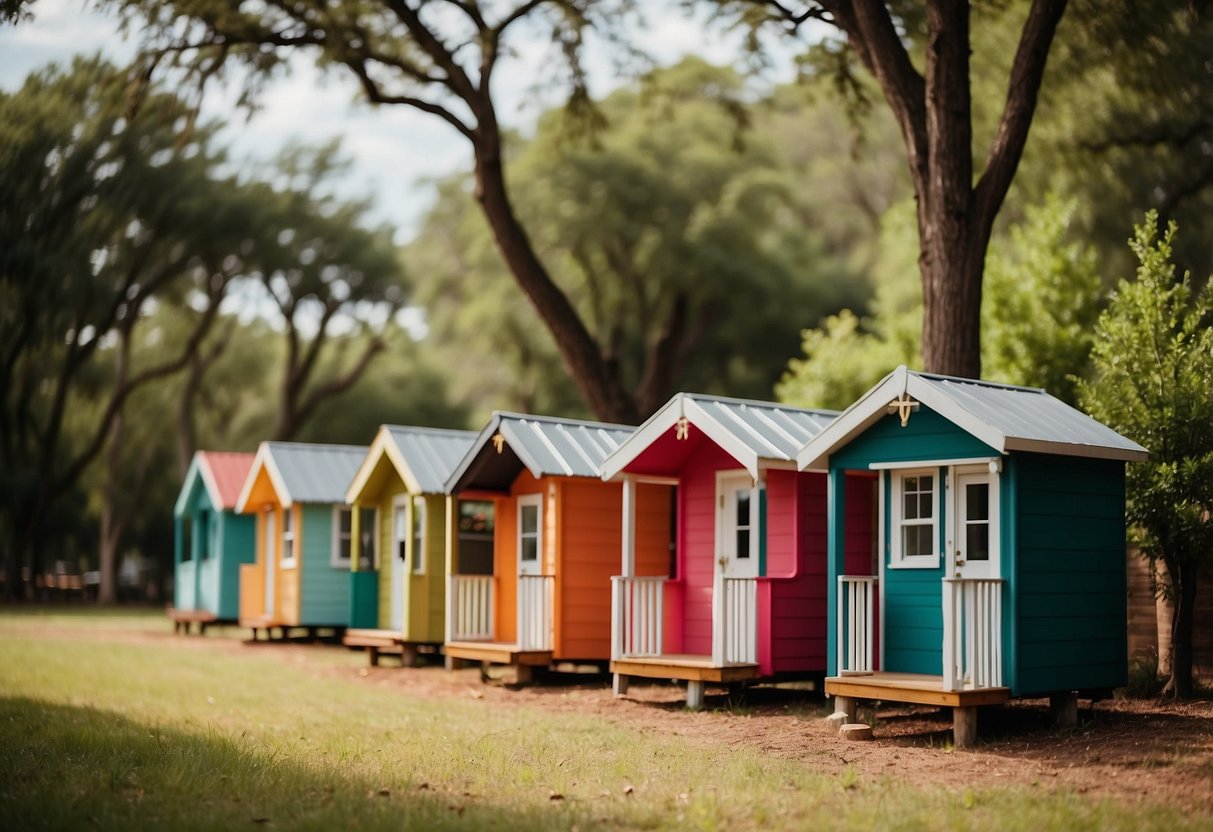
[
  {"x": 396, "y": 570},
  {"x": 737, "y": 526},
  {"x": 976, "y": 552},
  {"x": 530, "y": 534}
]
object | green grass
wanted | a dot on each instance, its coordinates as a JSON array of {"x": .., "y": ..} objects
[{"x": 110, "y": 735}]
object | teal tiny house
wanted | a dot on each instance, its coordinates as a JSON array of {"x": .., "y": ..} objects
[
  {"x": 999, "y": 566},
  {"x": 210, "y": 539},
  {"x": 305, "y": 536}
]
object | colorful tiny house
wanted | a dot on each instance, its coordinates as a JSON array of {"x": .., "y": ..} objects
[
  {"x": 211, "y": 540},
  {"x": 398, "y": 576},
  {"x": 1001, "y": 534},
  {"x": 741, "y": 595},
  {"x": 555, "y": 543},
  {"x": 305, "y": 536}
]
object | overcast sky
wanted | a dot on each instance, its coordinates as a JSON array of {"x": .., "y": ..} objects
[{"x": 394, "y": 149}]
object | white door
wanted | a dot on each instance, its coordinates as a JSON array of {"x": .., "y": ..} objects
[
  {"x": 530, "y": 534},
  {"x": 271, "y": 524},
  {"x": 975, "y": 548},
  {"x": 397, "y": 571},
  {"x": 736, "y": 525}
]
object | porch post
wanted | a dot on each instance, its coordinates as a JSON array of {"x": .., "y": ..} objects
[
  {"x": 178, "y": 531},
  {"x": 355, "y": 536},
  {"x": 450, "y": 537},
  {"x": 836, "y": 561},
  {"x": 628, "y": 564}
]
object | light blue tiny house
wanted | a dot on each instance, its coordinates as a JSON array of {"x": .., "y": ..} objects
[
  {"x": 304, "y": 536},
  {"x": 210, "y": 539},
  {"x": 999, "y": 566}
]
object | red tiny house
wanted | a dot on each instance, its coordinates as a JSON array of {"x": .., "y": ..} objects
[{"x": 747, "y": 596}]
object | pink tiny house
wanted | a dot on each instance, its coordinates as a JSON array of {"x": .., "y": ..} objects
[{"x": 745, "y": 594}]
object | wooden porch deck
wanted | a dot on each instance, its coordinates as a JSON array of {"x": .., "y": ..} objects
[
  {"x": 391, "y": 642},
  {"x": 496, "y": 652},
  {"x": 690, "y": 667},
  {"x": 182, "y": 619},
  {"x": 914, "y": 688}
]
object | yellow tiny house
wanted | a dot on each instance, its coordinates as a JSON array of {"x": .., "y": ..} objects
[{"x": 398, "y": 588}]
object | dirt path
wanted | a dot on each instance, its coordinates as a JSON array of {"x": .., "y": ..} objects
[{"x": 1125, "y": 750}]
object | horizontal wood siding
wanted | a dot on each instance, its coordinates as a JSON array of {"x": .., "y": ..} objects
[
  {"x": 1070, "y": 580},
  {"x": 697, "y": 546},
  {"x": 505, "y": 550},
  {"x": 238, "y": 545},
  {"x": 388, "y": 570},
  {"x": 796, "y": 545},
  {"x": 590, "y": 541},
  {"x": 927, "y": 436},
  {"x": 324, "y": 590},
  {"x": 427, "y": 592}
]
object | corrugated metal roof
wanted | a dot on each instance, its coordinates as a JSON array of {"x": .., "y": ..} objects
[
  {"x": 545, "y": 445},
  {"x": 1025, "y": 415},
  {"x": 752, "y": 432},
  {"x": 227, "y": 471},
  {"x": 1005, "y": 417},
  {"x": 315, "y": 473},
  {"x": 772, "y": 431},
  {"x": 431, "y": 453}
]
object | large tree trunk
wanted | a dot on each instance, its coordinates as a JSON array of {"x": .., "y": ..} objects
[
  {"x": 951, "y": 294},
  {"x": 1183, "y": 588},
  {"x": 596, "y": 377},
  {"x": 107, "y": 593}
]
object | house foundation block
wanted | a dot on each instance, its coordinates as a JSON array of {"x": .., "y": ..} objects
[
  {"x": 620, "y": 685},
  {"x": 1064, "y": 709},
  {"x": 964, "y": 727},
  {"x": 695, "y": 695}
]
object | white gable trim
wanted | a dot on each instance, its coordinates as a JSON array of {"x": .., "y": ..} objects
[
  {"x": 644, "y": 436},
  {"x": 815, "y": 455},
  {"x": 187, "y": 486},
  {"x": 946, "y": 406},
  {"x": 383, "y": 445},
  {"x": 264, "y": 459}
]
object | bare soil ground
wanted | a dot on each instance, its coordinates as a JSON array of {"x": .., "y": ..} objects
[{"x": 1126, "y": 750}]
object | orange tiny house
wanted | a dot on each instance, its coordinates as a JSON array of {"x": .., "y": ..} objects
[
  {"x": 304, "y": 536},
  {"x": 555, "y": 544}
]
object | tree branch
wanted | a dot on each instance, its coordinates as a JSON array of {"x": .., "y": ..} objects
[
  {"x": 339, "y": 384},
  {"x": 1027, "y": 73}
]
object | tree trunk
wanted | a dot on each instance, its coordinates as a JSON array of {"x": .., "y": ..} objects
[
  {"x": 595, "y": 376},
  {"x": 107, "y": 592},
  {"x": 951, "y": 321},
  {"x": 1183, "y": 583}
]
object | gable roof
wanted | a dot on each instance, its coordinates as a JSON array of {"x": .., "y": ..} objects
[
  {"x": 750, "y": 431},
  {"x": 221, "y": 473},
  {"x": 543, "y": 445},
  {"x": 1005, "y": 417},
  {"x": 423, "y": 457},
  {"x": 305, "y": 473}
]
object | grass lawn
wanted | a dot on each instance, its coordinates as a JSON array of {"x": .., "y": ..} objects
[{"x": 106, "y": 722}]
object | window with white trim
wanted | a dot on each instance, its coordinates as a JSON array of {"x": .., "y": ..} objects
[
  {"x": 418, "y": 535},
  {"x": 343, "y": 537},
  {"x": 288, "y": 538},
  {"x": 915, "y": 519}
]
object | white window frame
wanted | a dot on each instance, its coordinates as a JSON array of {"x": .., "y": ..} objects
[
  {"x": 400, "y": 508},
  {"x": 417, "y": 532},
  {"x": 897, "y": 559},
  {"x": 535, "y": 500},
  {"x": 289, "y": 557},
  {"x": 335, "y": 558}
]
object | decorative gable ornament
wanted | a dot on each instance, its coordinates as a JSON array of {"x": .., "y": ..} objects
[{"x": 903, "y": 406}]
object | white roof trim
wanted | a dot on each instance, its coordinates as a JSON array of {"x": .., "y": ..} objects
[
  {"x": 948, "y": 408},
  {"x": 383, "y": 445},
  {"x": 815, "y": 454},
  {"x": 266, "y": 459},
  {"x": 644, "y": 436},
  {"x": 1042, "y": 446}
]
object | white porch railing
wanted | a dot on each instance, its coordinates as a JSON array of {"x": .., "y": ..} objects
[
  {"x": 636, "y": 616},
  {"x": 472, "y": 613},
  {"x": 735, "y": 621},
  {"x": 972, "y": 633},
  {"x": 535, "y": 612},
  {"x": 856, "y": 624}
]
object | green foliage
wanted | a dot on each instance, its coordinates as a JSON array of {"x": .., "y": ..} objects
[
  {"x": 846, "y": 356},
  {"x": 676, "y": 244},
  {"x": 1041, "y": 301},
  {"x": 1153, "y": 382}
]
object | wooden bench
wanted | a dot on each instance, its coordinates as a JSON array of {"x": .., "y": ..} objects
[{"x": 182, "y": 619}]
